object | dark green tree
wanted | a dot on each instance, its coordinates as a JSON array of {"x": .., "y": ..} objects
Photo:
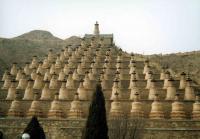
[
  {"x": 96, "y": 125},
  {"x": 34, "y": 129},
  {"x": 1, "y": 135}
]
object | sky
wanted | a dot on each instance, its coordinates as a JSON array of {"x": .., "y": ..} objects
[{"x": 139, "y": 26}]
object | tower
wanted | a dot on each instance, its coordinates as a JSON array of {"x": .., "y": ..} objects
[{"x": 96, "y": 29}]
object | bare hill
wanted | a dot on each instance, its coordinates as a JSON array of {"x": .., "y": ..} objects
[
  {"x": 188, "y": 62},
  {"x": 21, "y": 49},
  {"x": 38, "y": 35},
  {"x": 73, "y": 40}
]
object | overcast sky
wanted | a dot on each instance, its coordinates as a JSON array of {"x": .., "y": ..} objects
[{"x": 142, "y": 26}]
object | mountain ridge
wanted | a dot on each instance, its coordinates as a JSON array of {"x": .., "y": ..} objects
[{"x": 37, "y": 35}]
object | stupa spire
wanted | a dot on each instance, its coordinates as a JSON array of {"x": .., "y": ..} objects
[{"x": 96, "y": 28}]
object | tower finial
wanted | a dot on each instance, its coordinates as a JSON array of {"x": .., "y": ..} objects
[{"x": 96, "y": 28}]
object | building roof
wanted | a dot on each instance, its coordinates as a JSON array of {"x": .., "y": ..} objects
[{"x": 101, "y": 35}]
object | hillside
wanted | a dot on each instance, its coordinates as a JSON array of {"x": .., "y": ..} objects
[
  {"x": 188, "y": 62},
  {"x": 21, "y": 49},
  {"x": 73, "y": 40},
  {"x": 38, "y": 35}
]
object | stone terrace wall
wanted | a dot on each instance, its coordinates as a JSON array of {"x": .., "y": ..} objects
[{"x": 72, "y": 129}]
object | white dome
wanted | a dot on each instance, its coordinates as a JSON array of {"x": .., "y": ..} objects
[{"x": 25, "y": 136}]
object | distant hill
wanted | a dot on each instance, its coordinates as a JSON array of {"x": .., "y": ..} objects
[
  {"x": 38, "y": 35},
  {"x": 21, "y": 49},
  {"x": 73, "y": 40}
]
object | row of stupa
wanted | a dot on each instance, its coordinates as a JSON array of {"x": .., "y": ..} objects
[
  {"x": 116, "y": 110},
  {"x": 74, "y": 72},
  {"x": 62, "y": 81}
]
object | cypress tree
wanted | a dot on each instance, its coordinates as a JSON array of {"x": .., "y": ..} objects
[
  {"x": 1, "y": 135},
  {"x": 96, "y": 125},
  {"x": 34, "y": 129}
]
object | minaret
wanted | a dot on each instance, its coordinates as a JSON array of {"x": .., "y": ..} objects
[{"x": 96, "y": 29}]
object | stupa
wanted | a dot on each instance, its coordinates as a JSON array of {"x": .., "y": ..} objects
[
  {"x": 131, "y": 84},
  {"x": 15, "y": 109},
  {"x": 56, "y": 108},
  {"x": 116, "y": 111},
  {"x": 178, "y": 111},
  {"x": 137, "y": 108},
  {"x": 35, "y": 109},
  {"x": 196, "y": 109},
  {"x": 28, "y": 94},
  {"x": 75, "y": 111},
  {"x": 156, "y": 109}
]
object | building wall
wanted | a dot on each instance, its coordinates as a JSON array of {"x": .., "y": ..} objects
[{"x": 12, "y": 128}]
